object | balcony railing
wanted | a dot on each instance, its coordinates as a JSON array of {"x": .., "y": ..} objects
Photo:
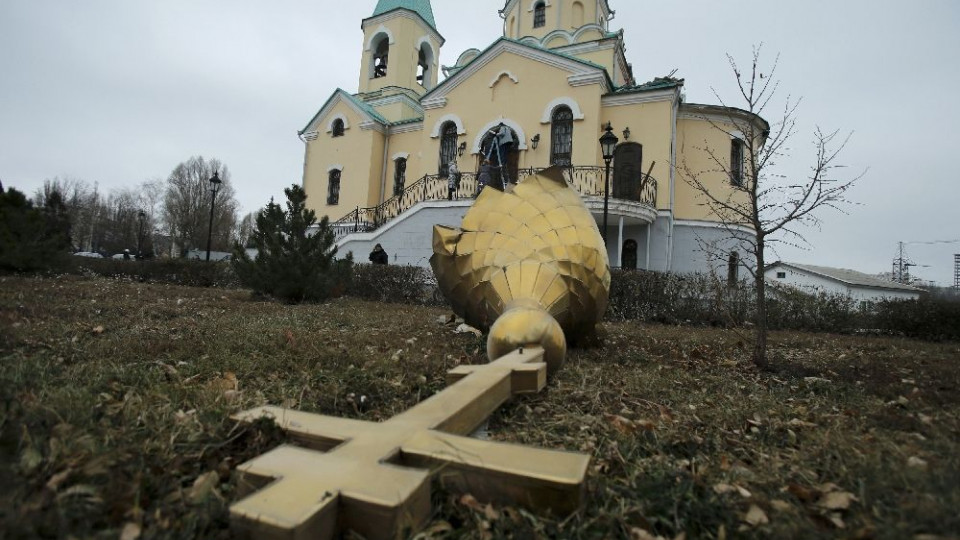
[{"x": 587, "y": 181}]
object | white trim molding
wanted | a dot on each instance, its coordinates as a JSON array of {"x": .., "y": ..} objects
[
  {"x": 635, "y": 98},
  {"x": 400, "y": 155},
  {"x": 443, "y": 120},
  {"x": 533, "y": 4},
  {"x": 334, "y": 118},
  {"x": 335, "y": 167},
  {"x": 496, "y": 79},
  {"x": 380, "y": 30},
  {"x": 521, "y": 135},
  {"x": 569, "y": 102}
]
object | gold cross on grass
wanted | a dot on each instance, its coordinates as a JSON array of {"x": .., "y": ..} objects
[{"x": 374, "y": 478}]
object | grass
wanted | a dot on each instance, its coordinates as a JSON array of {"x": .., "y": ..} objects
[{"x": 116, "y": 397}]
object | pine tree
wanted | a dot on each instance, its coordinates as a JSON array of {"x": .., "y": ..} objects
[
  {"x": 31, "y": 238},
  {"x": 292, "y": 264}
]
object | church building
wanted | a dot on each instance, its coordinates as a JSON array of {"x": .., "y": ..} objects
[{"x": 406, "y": 151}]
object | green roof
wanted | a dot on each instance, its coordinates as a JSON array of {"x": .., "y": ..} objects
[{"x": 420, "y": 7}]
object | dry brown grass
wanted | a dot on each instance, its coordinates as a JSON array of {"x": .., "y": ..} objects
[{"x": 116, "y": 398}]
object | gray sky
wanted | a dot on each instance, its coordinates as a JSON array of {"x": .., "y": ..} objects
[{"x": 120, "y": 91}]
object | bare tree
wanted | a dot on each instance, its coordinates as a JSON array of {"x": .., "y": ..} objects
[
  {"x": 771, "y": 204},
  {"x": 245, "y": 229},
  {"x": 186, "y": 207}
]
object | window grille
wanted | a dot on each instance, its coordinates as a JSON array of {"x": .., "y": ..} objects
[
  {"x": 736, "y": 162},
  {"x": 561, "y": 137},
  {"x": 399, "y": 176},
  {"x": 448, "y": 148},
  {"x": 733, "y": 269},
  {"x": 539, "y": 15},
  {"x": 333, "y": 189}
]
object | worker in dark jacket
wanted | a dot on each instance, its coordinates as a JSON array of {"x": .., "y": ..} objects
[{"x": 378, "y": 255}]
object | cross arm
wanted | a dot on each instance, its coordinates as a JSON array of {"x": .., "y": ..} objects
[{"x": 500, "y": 472}]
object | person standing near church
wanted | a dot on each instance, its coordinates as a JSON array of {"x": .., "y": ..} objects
[
  {"x": 378, "y": 255},
  {"x": 485, "y": 174},
  {"x": 453, "y": 180}
]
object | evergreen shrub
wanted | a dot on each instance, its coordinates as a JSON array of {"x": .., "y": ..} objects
[{"x": 293, "y": 263}]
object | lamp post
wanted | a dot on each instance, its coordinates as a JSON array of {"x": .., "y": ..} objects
[
  {"x": 608, "y": 142},
  {"x": 140, "y": 217},
  {"x": 214, "y": 187}
]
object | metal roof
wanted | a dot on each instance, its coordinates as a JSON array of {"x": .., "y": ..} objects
[
  {"x": 420, "y": 7},
  {"x": 850, "y": 277}
]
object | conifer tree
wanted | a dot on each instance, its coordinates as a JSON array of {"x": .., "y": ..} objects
[
  {"x": 291, "y": 264},
  {"x": 31, "y": 238}
]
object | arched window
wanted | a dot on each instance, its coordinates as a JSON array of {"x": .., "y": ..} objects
[
  {"x": 424, "y": 63},
  {"x": 333, "y": 187},
  {"x": 539, "y": 15},
  {"x": 733, "y": 269},
  {"x": 629, "y": 258},
  {"x": 380, "y": 55},
  {"x": 736, "y": 162},
  {"x": 561, "y": 137},
  {"x": 399, "y": 175},
  {"x": 337, "y": 128},
  {"x": 448, "y": 147}
]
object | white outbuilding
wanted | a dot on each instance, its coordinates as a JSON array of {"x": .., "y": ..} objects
[{"x": 838, "y": 281}]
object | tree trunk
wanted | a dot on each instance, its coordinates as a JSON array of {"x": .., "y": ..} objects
[{"x": 760, "y": 323}]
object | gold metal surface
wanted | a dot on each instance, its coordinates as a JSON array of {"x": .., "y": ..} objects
[
  {"x": 374, "y": 479},
  {"x": 529, "y": 266}
]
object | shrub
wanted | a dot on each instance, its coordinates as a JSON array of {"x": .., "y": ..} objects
[
  {"x": 186, "y": 272},
  {"x": 292, "y": 264},
  {"x": 31, "y": 238},
  {"x": 928, "y": 318},
  {"x": 400, "y": 284},
  {"x": 676, "y": 298}
]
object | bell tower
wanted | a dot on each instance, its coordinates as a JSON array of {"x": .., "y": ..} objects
[
  {"x": 539, "y": 18},
  {"x": 401, "y": 48}
]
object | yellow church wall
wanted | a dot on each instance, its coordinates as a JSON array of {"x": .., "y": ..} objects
[
  {"x": 360, "y": 175},
  {"x": 523, "y": 103},
  {"x": 650, "y": 125},
  {"x": 560, "y": 15},
  {"x": 603, "y": 58},
  {"x": 694, "y": 138}
]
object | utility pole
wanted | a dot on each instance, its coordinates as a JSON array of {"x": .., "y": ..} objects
[
  {"x": 901, "y": 265},
  {"x": 956, "y": 271}
]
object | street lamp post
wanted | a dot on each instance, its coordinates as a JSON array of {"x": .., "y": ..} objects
[
  {"x": 608, "y": 143},
  {"x": 140, "y": 217},
  {"x": 215, "y": 186}
]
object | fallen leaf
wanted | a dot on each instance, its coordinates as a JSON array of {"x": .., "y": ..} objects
[
  {"x": 637, "y": 533},
  {"x": 803, "y": 493},
  {"x": 467, "y": 329},
  {"x": 720, "y": 489},
  {"x": 203, "y": 487},
  {"x": 623, "y": 425},
  {"x": 471, "y": 502},
  {"x": 97, "y": 330},
  {"x": 837, "y": 500},
  {"x": 438, "y": 529},
  {"x": 796, "y": 422},
  {"x": 54, "y": 482},
  {"x": 781, "y": 506},
  {"x": 756, "y": 516},
  {"x": 837, "y": 520},
  {"x": 917, "y": 463},
  {"x": 491, "y": 513},
  {"x": 130, "y": 531}
]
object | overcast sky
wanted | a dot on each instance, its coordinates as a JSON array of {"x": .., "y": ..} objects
[{"x": 120, "y": 91}]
